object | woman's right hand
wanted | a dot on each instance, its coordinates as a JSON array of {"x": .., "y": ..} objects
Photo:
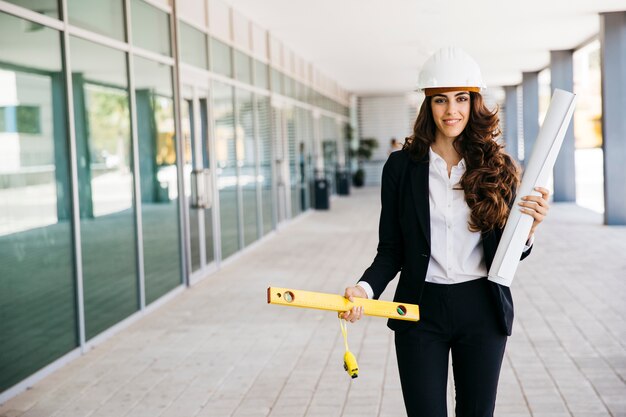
[{"x": 356, "y": 312}]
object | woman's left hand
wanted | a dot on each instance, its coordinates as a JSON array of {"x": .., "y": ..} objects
[{"x": 536, "y": 206}]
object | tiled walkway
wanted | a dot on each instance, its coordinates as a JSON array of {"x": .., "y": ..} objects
[{"x": 219, "y": 350}]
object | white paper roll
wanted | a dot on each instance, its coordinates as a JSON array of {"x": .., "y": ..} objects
[{"x": 536, "y": 174}]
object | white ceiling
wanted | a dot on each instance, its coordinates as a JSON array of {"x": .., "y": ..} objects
[{"x": 378, "y": 46}]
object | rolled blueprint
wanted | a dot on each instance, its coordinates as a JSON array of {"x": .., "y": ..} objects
[{"x": 536, "y": 174}]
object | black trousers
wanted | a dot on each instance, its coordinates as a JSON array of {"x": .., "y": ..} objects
[{"x": 460, "y": 318}]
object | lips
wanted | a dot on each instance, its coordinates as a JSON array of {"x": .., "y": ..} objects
[{"x": 451, "y": 122}]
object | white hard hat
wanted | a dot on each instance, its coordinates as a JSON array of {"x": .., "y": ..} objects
[{"x": 450, "y": 69}]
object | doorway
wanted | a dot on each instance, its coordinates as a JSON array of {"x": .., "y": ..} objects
[{"x": 199, "y": 180}]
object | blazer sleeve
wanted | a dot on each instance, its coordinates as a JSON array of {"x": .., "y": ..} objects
[{"x": 390, "y": 251}]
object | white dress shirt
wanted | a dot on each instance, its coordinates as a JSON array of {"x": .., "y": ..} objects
[{"x": 456, "y": 253}]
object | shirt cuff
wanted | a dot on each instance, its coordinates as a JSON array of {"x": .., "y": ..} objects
[
  {"x": 368, "y": 289},
  {"x": 529, "y": 242}
]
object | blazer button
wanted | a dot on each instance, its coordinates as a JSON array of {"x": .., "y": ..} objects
[{"x": 425, "y": 255}]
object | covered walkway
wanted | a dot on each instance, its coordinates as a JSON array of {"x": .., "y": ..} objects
[{"x": 219, "y": 350}]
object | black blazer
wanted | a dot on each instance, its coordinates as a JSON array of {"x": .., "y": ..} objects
[{"x": 404, "y": 239}]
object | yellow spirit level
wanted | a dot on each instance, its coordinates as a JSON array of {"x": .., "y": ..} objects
[{"x": 336, "y": 302}]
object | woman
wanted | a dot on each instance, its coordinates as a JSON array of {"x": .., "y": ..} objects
[{"x": 445, "y": 200}]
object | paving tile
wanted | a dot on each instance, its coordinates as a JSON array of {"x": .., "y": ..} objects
[{"x": 197, "y": 356}]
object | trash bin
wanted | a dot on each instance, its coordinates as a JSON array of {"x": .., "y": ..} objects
[
  {"x": 343, "y": 182},
  {"x": 322, "y": 194}
]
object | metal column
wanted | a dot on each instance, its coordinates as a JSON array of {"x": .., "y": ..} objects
[
  {"x": 510, "y": 121},
  {"x": 562, "y": 76},
  {"x": 613, "y": 58},
  {"x": 530, "y": 103}
]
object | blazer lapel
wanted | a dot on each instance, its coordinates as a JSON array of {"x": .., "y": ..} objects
[{"x": 419, "y": 187}]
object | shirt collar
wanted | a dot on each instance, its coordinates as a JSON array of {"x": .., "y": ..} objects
[{"x": 437, "y": 159}]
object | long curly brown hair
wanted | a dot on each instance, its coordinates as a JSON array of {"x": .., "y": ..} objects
[{"x": 492, "y": 176}]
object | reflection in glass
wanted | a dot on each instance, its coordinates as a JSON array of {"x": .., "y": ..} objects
[
  {"x": 226, "y": 169},
  {"x": 277, "y": 81},
  {"x": 265, "y": 162},
  {"x": 195, "y": 134},
  {"x": 304, "y": 157},
  {"x": 243, "y": 67},
  {"x": 187, "y": 125},
  {"x": 293, "y": 162},
  {"x": 104, "y": 17},
  {"x": 246, "y": 155},
  {"x": 45, "y": 7},
  {"x": 151, "y": 28},
  {"x": 209, "y": 245},
  {"x": 329, "y": 147},
  {"x": 37, "y": 294},
  {"x": 221, "y": 58},
  {"x": 261, "y": 75},
  {"x": 193, "y": 46},
  {"x": 103, "y": 148},
  {"x": 158, "y": 177}
]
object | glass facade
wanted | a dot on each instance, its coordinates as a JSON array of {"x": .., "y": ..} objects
[
  {"x": 330, "y": 149},
  {"x": 265, "y": 178},
  {"x": 105, "y": 184},
  {"x": 246, "y": 159},
  {"x": 293, "y": 161},
  {"x": 120, "y": 166},
  {"x": 221, "y": 58},
  {"x": 188, "y": 133},
  {"x": 158, "y": 177},
  {"x": 38, "y": 322},
  {"x": 226, "y": 170},
  {"x": 193, "y": 46},
  {"x": 151, "y": 28},
  {"x": 243, "y": 67},
  {"x": 103, "y": 17}
]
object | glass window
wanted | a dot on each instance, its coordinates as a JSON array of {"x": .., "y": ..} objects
[
  {"x": 193, "y": 46},
  {"x": 265, "y": 161},
  {"x": 294, "y": 179},
  {"x": 45, "y": 7},
  {"x": 37, "y": 293},
  {"x": 151, "y": 28},
  {"x": 277, "y": 81},
  {"x": 243, "y": 67},
  {"x": 104, "y": 17},
  {"x": 226, "y": 169},
  {"x": 303, "y": 168},
  {"x": 261, "y": 75},
  {"x": 329, "y": 147},
  {"x": 246, "y": 156},
  {"x": 105, "y": 184},
  {"x": 221, "y": 58},
  {"x": 187, "y": 133},
  {"x": 158, "y": 177}
]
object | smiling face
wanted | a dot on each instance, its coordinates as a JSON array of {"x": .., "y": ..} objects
[{"x": 451, "y": 112}]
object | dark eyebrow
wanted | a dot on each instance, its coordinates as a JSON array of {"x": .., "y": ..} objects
[{"x": 460, "y": 93}]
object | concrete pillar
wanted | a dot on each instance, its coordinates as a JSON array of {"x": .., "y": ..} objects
[
  {"x": 510, "y": 121},
  {"x": 613, "y": 58},
  {"x": 530, "y": 103},
  {"x": 562, "y": 76}
]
